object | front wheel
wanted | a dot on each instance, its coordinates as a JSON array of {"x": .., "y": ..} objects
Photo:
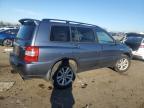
[
  {"x": 123, "y": 64},
  {"x": 63, "y": 77}
]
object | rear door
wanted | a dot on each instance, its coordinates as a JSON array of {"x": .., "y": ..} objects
[
  {"x": 110, "y": 51},
  {"x": 86, "y": 47}
]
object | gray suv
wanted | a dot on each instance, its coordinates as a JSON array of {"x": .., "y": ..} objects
[{"x": 57, "y": 49}]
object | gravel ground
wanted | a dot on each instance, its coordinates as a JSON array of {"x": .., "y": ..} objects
[{"x": 101, "y": 88}]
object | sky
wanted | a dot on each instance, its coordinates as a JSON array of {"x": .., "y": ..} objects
[{"x": 113, "y": 15}]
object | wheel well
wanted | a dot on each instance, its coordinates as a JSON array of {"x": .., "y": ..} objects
[
  {"x": 65, "y": 60},
  {"x": 68, "y": 61},
  {"x": 73, "y": 64},
  {"x": 127, "y": 54}
]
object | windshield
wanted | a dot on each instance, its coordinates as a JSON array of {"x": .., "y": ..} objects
[{"x": 26, "y": 32}]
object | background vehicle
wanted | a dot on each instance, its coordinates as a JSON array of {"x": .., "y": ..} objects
[
  {"x": 136, "y": 43},
  {"x": 9, "y": 27},
  {"x": 57, "y": 49},
  {"x": 7, "y": 36}
]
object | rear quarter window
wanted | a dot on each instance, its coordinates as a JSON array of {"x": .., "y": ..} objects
[
  {"x": 26, "y": 32},
  {"x": 60, "y": 33}
]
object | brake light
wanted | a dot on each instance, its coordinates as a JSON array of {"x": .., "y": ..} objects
[
  {"x": 31, "y": 54},
  {"x": 142, "y": 46}
]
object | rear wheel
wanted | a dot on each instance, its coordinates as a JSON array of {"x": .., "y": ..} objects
[
  {"x": 8, "y": 42},
  {"x": 63, "y": 77},
  {"x": 123, "y": 64}
]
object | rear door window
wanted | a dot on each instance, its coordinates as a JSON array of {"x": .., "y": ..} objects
[
  {"x": 74, "y": 34},
  {"x": 82, "y": 34},
  {"x": 26, "y": 32},
  {"x": 60, "y": 33}
]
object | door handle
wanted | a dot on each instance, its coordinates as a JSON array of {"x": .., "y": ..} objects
[{"x": 76, "y": 45}]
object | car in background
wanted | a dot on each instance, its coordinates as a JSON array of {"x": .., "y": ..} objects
[
  {"x": 7, "y": 36},
  {"x": 136, "y": 42},
  {"x": 8, "y": 27}
]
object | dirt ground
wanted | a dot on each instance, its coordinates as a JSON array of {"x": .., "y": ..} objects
[{"x": 103, "y": 88}]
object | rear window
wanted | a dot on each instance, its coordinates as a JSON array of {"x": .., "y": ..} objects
[{"x": 26, "y": 32}]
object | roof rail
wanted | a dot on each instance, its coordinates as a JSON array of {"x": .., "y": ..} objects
[
  {"x": 68, "y": 22},
  {"x": 26, "y": 20}
]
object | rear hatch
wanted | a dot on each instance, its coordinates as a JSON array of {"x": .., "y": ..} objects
[
  {"x": 133, "y": 42},
  {"x": 24, "y": 37}
]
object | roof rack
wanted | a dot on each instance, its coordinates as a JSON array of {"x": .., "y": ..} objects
[{"x": 68, "y": 22}]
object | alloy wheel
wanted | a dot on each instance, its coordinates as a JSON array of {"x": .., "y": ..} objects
[
  {"x": 64, "y": 76},
  {"x": 123, "y": 64}
]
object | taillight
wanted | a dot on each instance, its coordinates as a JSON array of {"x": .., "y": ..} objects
[
  {"x": 31, "y": 54},
  {"x": 142, "y": 46}
]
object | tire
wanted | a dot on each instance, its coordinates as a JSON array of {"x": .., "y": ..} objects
[
  {"x": 123, "y": 64},
  {"x": 63, "y": 77},
  {"x": 8, "y": 42}
]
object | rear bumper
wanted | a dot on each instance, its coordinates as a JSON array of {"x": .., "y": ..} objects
[{"x": 32, "y": 70}]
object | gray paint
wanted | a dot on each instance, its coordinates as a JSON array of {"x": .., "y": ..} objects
[{"x": 87, "y": 55}]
